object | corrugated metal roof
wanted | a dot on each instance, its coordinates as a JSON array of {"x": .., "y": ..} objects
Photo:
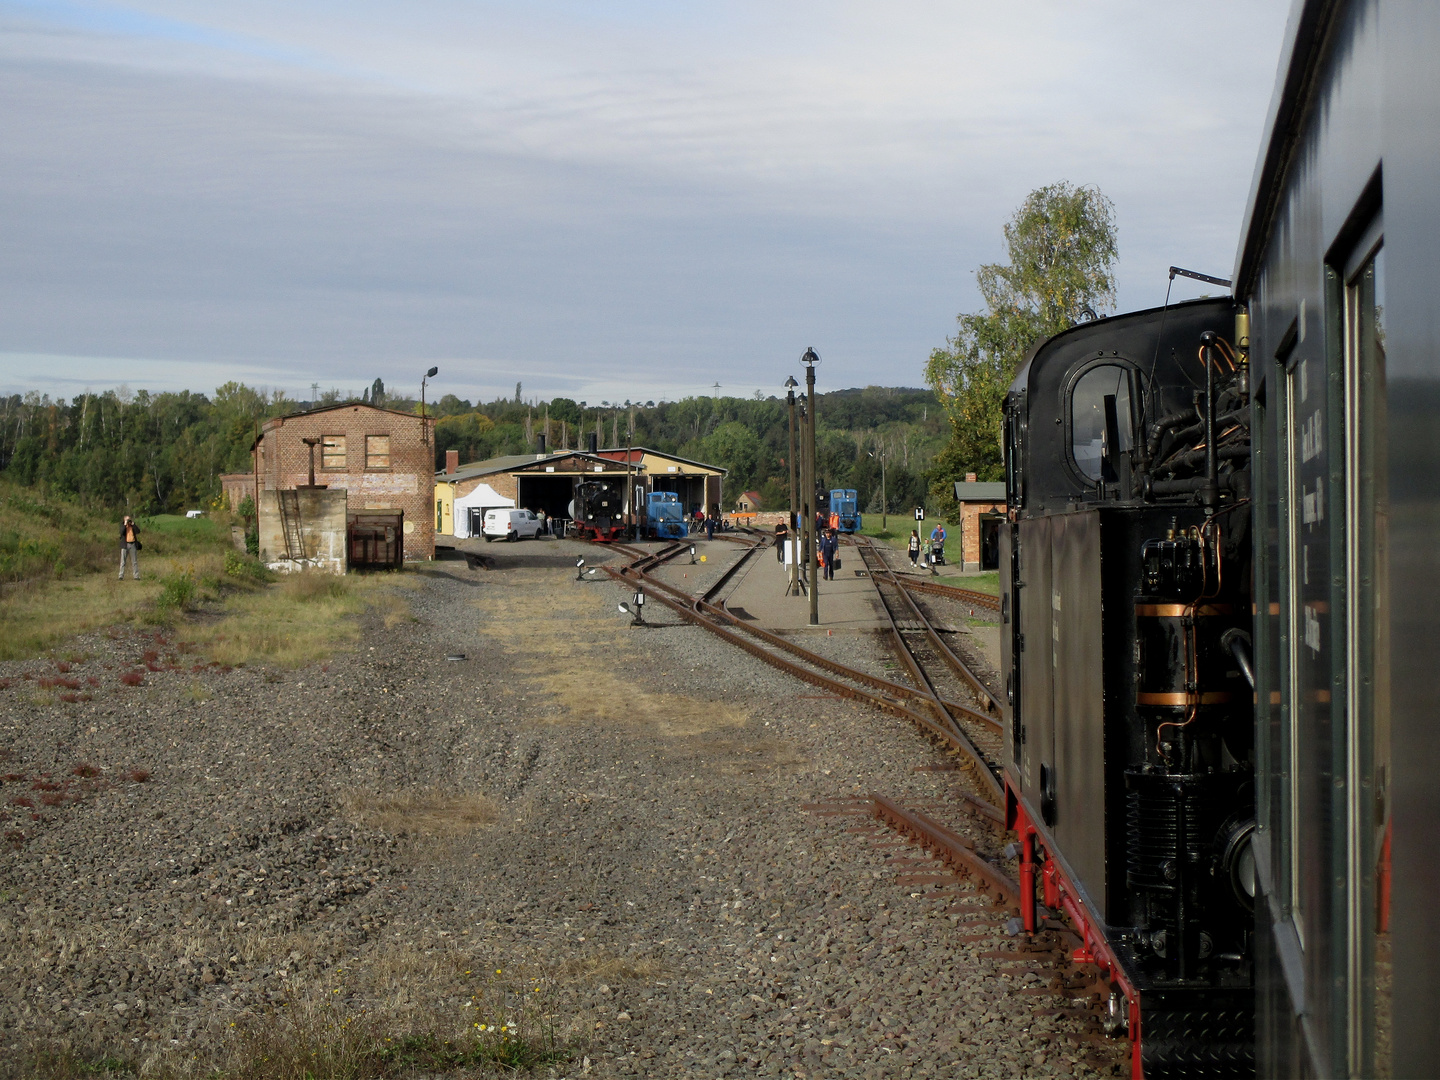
[{"x": 980, "y": 491}]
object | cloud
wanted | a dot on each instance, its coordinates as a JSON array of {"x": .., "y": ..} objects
[{"x": 631, "y": 196}]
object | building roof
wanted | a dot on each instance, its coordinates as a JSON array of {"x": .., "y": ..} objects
[
  {"x": 638, "y": 453},
  {"x": 614, "y": 459},
  {"x": 485, "y": 468},
  {"x": 980, "y": 491}
]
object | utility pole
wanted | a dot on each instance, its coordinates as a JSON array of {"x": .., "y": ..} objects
[
  {"x": 810, "y": 359},
  {"x": 793, "y": 532}
]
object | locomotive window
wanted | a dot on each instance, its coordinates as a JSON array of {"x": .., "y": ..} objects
[{"x": 1094, "y": 393}]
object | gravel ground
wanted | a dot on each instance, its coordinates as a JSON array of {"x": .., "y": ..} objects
[{"x": 611, "y": 820}]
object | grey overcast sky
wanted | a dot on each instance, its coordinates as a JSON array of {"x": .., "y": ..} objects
[{"x": 602, "y": 200}]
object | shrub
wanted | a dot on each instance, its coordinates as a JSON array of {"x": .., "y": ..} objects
[
  {"x": 177, "y": 592},
  {"x": 238, "y": 566}
]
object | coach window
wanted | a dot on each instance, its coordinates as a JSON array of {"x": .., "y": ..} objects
[
  {"x": 377, "y": 451},
  {"x": 1093, "y": 397},
  {"x": 1367, "y": 658},
  {"x": 332, "y": 452}
]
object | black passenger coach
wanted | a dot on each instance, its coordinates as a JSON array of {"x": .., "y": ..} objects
[{"x": 1220, "y": 586}]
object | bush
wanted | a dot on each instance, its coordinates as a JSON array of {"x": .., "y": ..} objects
[
  {"x": 238, "y": 566},
  {"x": 177, "y": 592}
]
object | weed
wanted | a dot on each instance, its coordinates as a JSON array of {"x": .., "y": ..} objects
[
  {"x": 246, "y": 569},
  {"x": 85, "y": 770},
  {"x": 199, "y": 694},
  {"x": 63, "y": 667},
  {"x": 177, "y": 592},
  {"x": 133, "y": 678},
  {"x": 139, "y": 776}
]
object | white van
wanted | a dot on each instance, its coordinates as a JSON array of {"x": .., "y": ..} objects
[{"x": 511, "y": 524}]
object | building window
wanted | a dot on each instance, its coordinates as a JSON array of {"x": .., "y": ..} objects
[
  {"x": 332, "y": 452},
  {"x": 377, "y": 451}
]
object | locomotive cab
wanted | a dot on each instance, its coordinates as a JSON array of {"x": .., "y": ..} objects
[{"x": 1125, "y": 580}]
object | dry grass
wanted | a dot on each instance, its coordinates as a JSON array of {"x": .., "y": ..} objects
[
  {"x": 302, "y": 619},
  {"x": 606, "y": 967},
  {"x": 587, "y": 681},
  {"x": 423, "y": 812}
]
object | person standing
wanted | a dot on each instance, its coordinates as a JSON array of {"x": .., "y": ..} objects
[
  {"x": 782, "y": 535},
  {"x": 710, "y": 523},
  {"x": 130, "y": 542},
  {"x": 829, "y": 546},
  {"x": 544, "y": 524},
  {"x": 914, "y": 547}
]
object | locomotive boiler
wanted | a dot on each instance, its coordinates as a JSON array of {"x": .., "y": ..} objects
[{"x": 1126, "y": 605}]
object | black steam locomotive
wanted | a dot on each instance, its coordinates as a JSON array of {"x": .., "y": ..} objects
[
  {"x": 1237, "y": 828},
  {"x": 1130, "y": 750},
  {"x": 598, "y": 510}
]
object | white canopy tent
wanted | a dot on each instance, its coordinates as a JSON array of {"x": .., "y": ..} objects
[{"x": 470, "y": 509}]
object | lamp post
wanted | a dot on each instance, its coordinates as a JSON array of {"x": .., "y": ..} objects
[
  {"x": 810, "y": 359},
  {"x": 880, "y": 453},
  {"x": 793, "y": 532},
  {"x": 424, "y": 428}
]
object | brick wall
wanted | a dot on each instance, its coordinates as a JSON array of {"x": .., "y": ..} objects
[
  {"x": 407, "y": 483},
  {"x": 502, "y": 483},
  {"x": 236, "y": 486},
  {"x": 970, "y": 530}
]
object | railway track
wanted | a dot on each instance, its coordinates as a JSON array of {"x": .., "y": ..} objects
[
  {"x": 952, "y": 724},
  {"x": 971, "y": 735}
]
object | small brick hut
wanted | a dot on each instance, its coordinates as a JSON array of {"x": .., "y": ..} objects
[
  {"x": 982, "y": 509},
  {"x": 372, "y": 484}
]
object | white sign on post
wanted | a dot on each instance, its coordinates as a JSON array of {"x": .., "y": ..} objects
[{"x": 919, "y": 513}]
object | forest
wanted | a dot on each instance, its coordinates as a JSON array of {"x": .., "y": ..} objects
[{"x": 144, "y": 453}]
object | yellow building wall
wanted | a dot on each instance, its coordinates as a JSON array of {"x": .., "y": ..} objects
[{"x": 445, "y": 509}]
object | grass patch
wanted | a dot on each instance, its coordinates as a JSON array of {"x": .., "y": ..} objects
[{"x": 299, "y": 620}]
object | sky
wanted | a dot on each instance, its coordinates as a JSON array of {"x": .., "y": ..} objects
[{"x": 599, "y": 200}]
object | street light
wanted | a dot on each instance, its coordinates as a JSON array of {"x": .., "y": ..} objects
[
  {"x": 884, "y": 503},
  {"x": 810, "y": 359},
  {"x": 424, "y": 430},
  {"x": 793, "y": 586}
]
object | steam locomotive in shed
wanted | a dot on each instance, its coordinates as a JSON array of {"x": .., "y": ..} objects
[
  {"x": 1220, "y": 578},
  {"x": 598, "y": 510}
]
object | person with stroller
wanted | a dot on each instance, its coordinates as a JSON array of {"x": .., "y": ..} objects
[{"x": 914, "y": 549}]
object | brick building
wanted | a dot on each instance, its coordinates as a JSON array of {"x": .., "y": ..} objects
[
  {"x": 982, "y": 509},
  {"x": 236, "y": 486},
  {"x": 334, "y": 478}
]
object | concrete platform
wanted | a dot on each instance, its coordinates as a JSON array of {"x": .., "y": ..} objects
[{"x": 847, "y": 603}]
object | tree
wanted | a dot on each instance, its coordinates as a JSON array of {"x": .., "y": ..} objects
[{"x": 1062, "y": 250}]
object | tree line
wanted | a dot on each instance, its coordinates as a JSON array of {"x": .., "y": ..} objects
[
  {"x": 144, "y": 453},
  {"x": 149, "y": 453}
]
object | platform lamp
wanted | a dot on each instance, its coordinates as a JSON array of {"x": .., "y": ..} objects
[
  {"x": 793, "y": 529},
  {"x": 424, "y": 429},
  {"x": 810, "y": 359}
]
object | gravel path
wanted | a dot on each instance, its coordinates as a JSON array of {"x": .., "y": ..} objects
[{"x": 613, "y": 821}]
